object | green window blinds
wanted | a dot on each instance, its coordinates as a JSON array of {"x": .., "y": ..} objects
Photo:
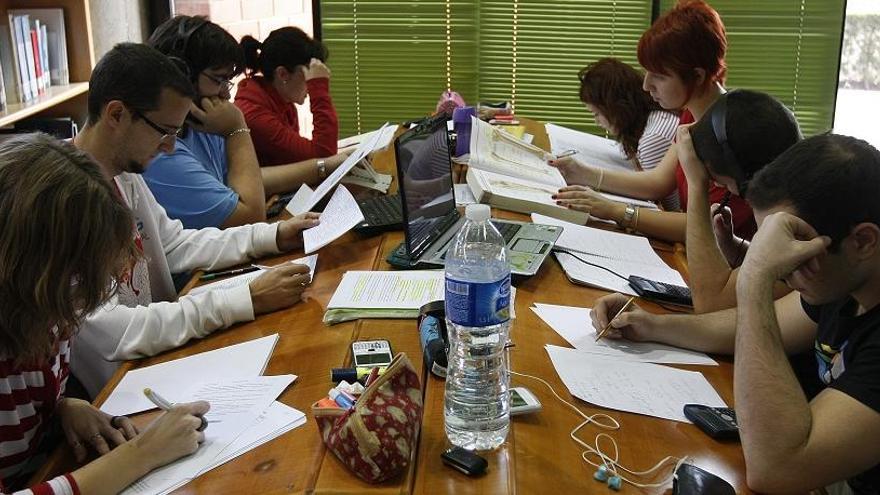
[
  {"x": 530, "y": 51},
  {"x": 788, "y": 48},
  {"x": 392, "y": 59}
]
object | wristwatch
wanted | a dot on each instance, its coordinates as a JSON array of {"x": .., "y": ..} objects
[
  {"x": 628, "y": 215},
  {"x": 322, "y": 169}
]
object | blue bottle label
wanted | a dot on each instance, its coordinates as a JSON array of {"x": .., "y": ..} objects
[{"x": 478, "y": 304}]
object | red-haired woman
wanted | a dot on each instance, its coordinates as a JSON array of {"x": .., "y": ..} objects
[
  {"x": 612, "y": 91},
  {"x": 683, "y": 54}
]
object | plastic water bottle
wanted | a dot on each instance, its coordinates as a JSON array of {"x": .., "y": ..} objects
[{"x": 477, "y": 405}]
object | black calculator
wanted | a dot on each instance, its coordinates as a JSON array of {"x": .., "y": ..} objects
[
  {"x": 717, "y": 422},
  {"x": 659, "y": 291}
]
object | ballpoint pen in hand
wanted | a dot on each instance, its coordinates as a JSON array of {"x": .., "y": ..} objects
[
  {"x": 164, "y": 405},
  {"x": 235, "y": 271},
  {"x": 565, "y": 154},
  {"x": 608, "y": 326}
]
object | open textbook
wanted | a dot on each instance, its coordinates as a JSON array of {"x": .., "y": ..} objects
[{"x": 508, "y": 173}]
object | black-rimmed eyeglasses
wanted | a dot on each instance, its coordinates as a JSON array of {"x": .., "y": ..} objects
[
  {"x": 223, "y": 82},
  {"x": 166, "y": 133}
]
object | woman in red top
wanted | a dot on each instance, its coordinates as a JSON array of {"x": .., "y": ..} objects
[
  {"x": 683, "y": 55},
  {"x": 66, "y": 233},
  {"x": 290, "y": 66}
]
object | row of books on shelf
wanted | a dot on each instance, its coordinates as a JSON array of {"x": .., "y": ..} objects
[{"x": 33, "y": 54}]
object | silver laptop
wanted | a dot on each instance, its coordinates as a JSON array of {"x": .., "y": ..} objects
[{"x": 430, "y": 219}]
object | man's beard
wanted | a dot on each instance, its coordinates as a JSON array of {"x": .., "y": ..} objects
[{"x": 134, "y": 167}]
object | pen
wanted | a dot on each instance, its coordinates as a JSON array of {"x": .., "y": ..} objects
[
  {"x": 374, "y": 373},
  {"x": 566, "y": 153},
  {"x": 164, "y": 405},
  {"x": 236, "y": 271},
  {"x": 605, "y": 330},
  {"x": 343, "y": 401}
]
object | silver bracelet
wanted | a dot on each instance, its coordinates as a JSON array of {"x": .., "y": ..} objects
[
  {"x": 322, "y": 168},
  {"x": 240, "y": 130}
]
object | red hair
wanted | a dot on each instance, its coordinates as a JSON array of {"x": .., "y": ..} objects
[{"x": 690, "y": 36}]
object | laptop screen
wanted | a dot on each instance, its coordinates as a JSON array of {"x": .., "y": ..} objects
[{"x": 425, "y": 173}]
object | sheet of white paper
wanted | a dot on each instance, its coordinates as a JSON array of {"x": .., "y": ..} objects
[
  {"x": 574, "y": 325},
  {"x": 592, "y": 150},
  {"x": 299, "y": 203},
  {"x": 341, "y": 215},
  {"x": 274, "y": 422},
  {"x": 363, "y": 149},
  {"x": 388, "y": 290},
  {"x": 244, "y": 360},
  {"x": 383, "y": 142},
  {"x": 641, "y": 388},
  {"x": 246, "y": 278},
  {"x": 463, "y": 195},
  {"x": 603, "y": 243},
  {"x": 231, "y": 398},
  {"x": 528, "y": 138},
  {"x": 603, "y": 277}
]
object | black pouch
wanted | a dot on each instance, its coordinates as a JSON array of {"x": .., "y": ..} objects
[{"x": 691, "y": 480}]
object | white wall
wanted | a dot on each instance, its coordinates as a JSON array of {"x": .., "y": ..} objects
[{"x": 115, "y": 21}]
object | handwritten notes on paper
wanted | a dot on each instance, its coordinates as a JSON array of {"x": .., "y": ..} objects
[
  {"x": 641, "y": 388},
  {"x": 341, "y": 215}
]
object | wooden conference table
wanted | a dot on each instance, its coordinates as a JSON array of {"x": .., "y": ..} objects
[{"x": 538, "y": 456}]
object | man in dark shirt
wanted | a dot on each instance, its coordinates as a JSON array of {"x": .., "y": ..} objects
[{"x": 820, "y": 233}]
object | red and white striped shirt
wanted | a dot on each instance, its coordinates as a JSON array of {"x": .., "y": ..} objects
[{"x": 28, "y": 396}]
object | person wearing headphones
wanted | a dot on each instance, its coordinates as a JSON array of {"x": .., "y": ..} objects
[
  {"x": 281, "y": 71},
  {"x": 802, "y": 427},
  {"x": 213, "y": 177},
  {"x": 740, "y": 133}
]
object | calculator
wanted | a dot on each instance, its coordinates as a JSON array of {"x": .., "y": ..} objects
[
  {"x": 717, "y": 422},
  {"x": 660, "y": 291}
]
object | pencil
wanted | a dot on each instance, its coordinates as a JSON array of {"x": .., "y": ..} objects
[{"x": 625, "y": 306}]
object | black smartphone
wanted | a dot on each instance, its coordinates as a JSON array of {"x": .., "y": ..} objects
[
  {"x": 659, "y": 291},
  {"x": 465, "y": 461}
]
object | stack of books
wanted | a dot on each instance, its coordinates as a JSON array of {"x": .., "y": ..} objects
[{"x": 33, "y": 54}]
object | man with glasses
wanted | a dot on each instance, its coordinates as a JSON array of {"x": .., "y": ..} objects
[
  {"x": 213, "y": 178},
  {"x": 138, "y": 100}
]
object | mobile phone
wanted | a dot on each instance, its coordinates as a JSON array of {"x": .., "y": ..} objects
[
  {"x": 371, "y": 353},
  {"x": 523, "y": 401},
  {"x": 660, "y": 291},
  {"x": 717, "y": 422},
  {"x": 465, "y": 461}
]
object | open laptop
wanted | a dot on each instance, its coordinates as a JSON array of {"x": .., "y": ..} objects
[{"x": 430, "y": 219}]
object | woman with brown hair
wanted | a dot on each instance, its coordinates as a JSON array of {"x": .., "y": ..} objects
[
  {"x": 66, "y": 233},
  {"x": 612, "y": 91}
]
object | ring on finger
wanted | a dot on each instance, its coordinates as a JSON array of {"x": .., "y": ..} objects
[{"x": 94, "y": 437}]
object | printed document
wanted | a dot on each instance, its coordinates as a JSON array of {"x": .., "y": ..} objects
[
  {"x": 641, "y": 388},
  {"x": 245, "y": 360},
  {"x": 388, "y": 290}
]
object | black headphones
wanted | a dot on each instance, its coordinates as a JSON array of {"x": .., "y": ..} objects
[
  {"x": 181, "y": 41},
  {"x": 717, "y": 148}
]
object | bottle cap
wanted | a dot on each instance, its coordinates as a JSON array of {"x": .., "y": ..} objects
[{"x": 477, "y": 212}]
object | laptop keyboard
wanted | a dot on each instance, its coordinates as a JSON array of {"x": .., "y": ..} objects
[
  {"x": 384, "y": 210},
  {"x": 507, "y": 229}
]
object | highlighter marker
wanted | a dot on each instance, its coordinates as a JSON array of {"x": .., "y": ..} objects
[{"x": 343, "y": 401}]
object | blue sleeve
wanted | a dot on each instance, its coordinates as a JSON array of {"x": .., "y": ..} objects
[{"x": 190, "y": 192}]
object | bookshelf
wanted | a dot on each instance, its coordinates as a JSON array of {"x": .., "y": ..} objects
[{"x": 59, "y": 101}]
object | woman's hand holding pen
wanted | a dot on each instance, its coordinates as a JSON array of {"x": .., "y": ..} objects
[
  {"x": 633, "y": 324},
  {"x": 171, "y": 436},
  {"x": 574, "y": 171}
]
